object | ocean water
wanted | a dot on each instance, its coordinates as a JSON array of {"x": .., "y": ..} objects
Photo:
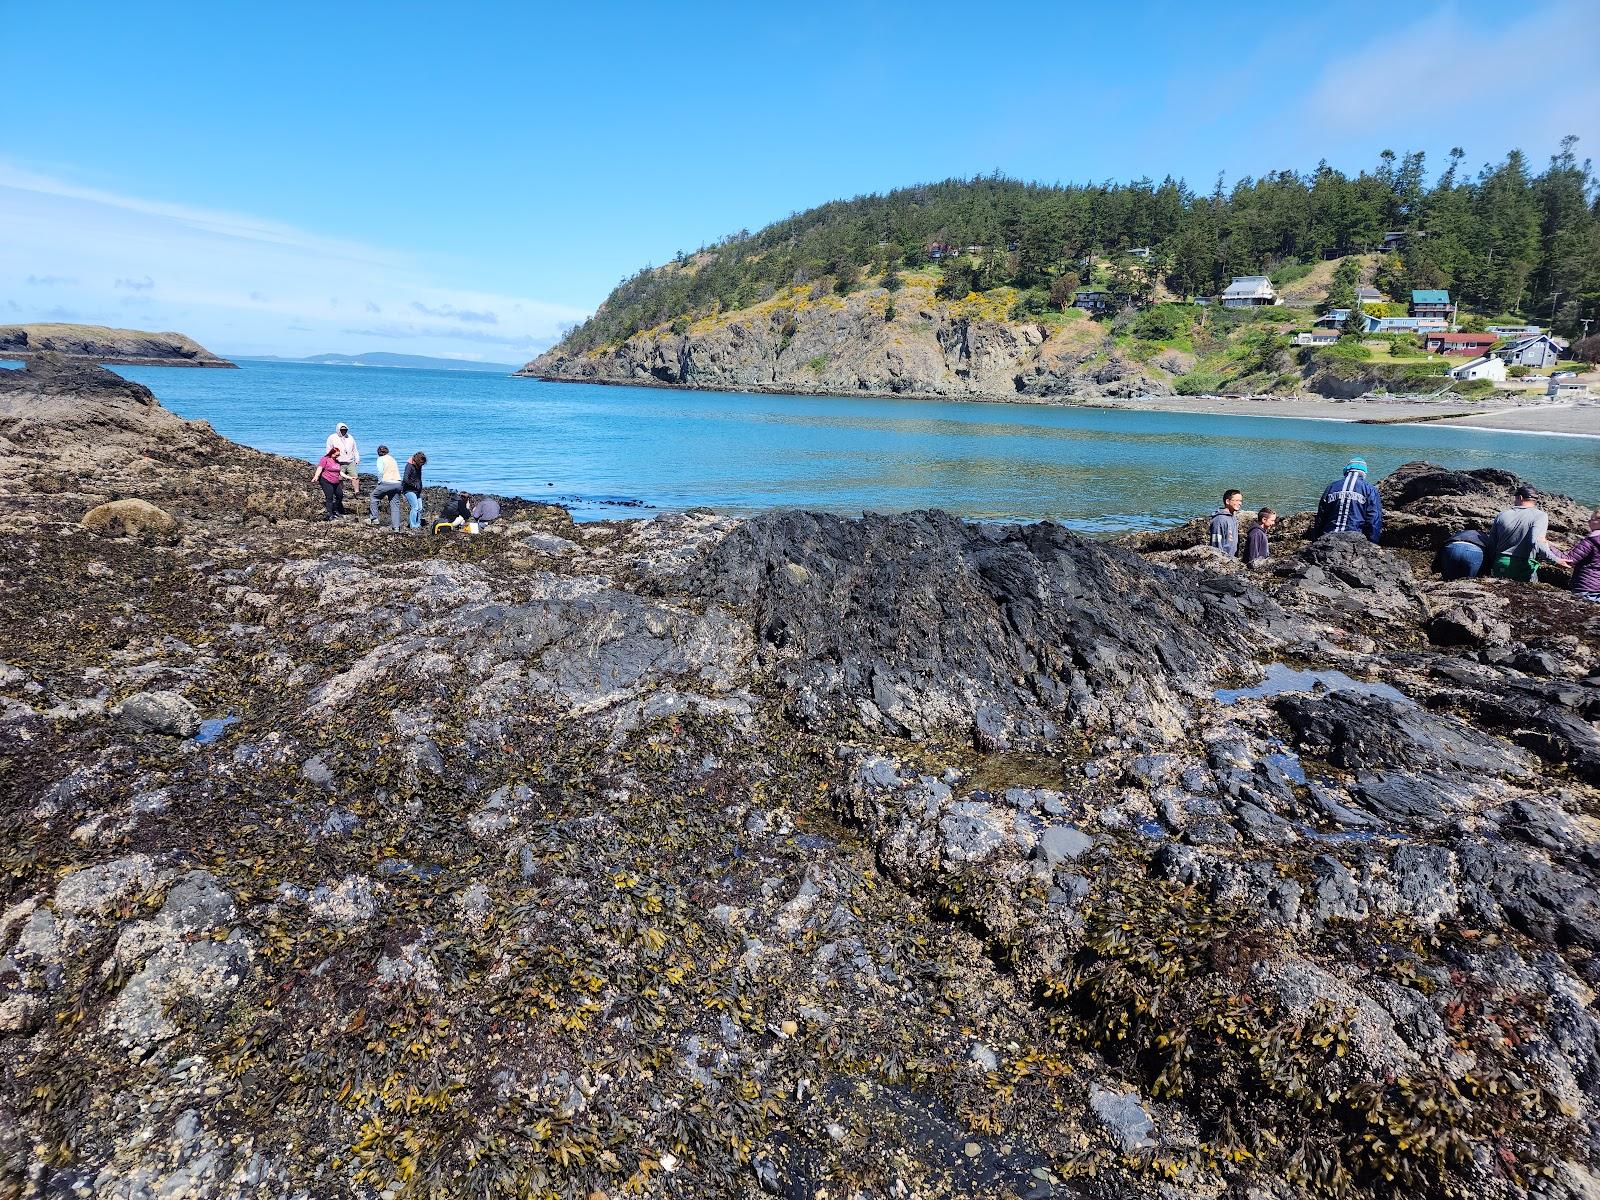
[{"x": 623, "y": 451}]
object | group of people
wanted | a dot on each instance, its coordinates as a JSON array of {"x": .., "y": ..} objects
[
  {"x": 1349, "y": 505},
  {"x": 1517, "y": 542},
  {"x": 341, "y": 461}
]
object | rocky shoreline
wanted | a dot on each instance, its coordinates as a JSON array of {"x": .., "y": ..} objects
[
  {"x": 114, "y": 347},
  {"x": 702, "y": 857}
]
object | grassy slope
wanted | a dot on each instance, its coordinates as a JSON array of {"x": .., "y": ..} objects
[{"x": 1211, "y": 345}]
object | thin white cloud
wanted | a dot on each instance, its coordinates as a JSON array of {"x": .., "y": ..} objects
[
  {"x": 48, "y": 280},
  {"x": 234, "y": 226},
  {"x": 1451, "y": 77},
  {"x": 237, "y": 282},
  {"x": 458, "y": 314}
]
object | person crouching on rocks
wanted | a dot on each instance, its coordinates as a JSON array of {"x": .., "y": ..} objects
[
  {"x": 1584, "y": 559},
  {"x": 330, "y": 474},
  {"x": 388, "y": 488},
  {"x": 1350, "y": 505},
  {"x": 1257, "y": 548},
  {"x": 411, "y": 488},
  {"x": 485, "y": 510},
  {"x": 1223, "y": 536},
  {"x": 454, "y": 514},
  {"x": 1461, "y": 557},
  {"x": 1517, "y": 540}
]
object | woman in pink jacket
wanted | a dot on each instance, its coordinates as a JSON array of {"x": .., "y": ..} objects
[{"x": 329, "y": 474}]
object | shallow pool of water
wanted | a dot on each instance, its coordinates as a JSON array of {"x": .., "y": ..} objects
[{"x": 1281, "y": 678}]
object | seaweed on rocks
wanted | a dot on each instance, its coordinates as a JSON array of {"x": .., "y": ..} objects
[{"x": 705, "y": 857}]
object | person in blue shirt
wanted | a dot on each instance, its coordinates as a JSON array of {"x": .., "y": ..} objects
[{"x": 1350, "y": 505}]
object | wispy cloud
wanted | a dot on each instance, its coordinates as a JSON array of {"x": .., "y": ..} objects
[
  {"x": 459, "y": 314},
  {"x": 238, "y": 282},
  {"x": 1468, "y": 68}
]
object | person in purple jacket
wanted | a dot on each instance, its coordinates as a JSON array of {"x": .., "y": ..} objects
[{"x": 1584, "y": 560}]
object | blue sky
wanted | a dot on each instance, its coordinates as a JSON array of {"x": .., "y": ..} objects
[{"x": 464, "y": 179}]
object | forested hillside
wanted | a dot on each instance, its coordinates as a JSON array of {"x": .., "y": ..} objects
[{"x": 1505, "y": 240}]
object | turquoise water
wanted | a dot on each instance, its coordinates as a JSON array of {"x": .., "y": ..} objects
[{"x": 591, "y": 446}]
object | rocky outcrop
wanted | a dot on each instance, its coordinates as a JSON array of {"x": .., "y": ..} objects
[
  {"x": 1424, "y": 505},
  {"x": 98, "y": 344},
  {"x": 919, "y": 623},
  {"x": 699, "y": 856},
  {"x": 870, "y": 342}
]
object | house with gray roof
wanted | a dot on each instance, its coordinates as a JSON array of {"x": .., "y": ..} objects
[
  {"x": 1249, "y": 291},
  {"x": 1540, "y": 350}
]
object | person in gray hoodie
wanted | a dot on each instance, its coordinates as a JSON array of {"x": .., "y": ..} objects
[
  {"x": 1519, "y": 540},
  {"x": 1223, "y": 536}
]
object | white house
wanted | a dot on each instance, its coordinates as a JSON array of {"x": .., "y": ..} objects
[
  {"x": 1367, "y": 295},
  {"x": 1317, "y": 337},
  {"x": 1487, "y": 367},
  {"x": 1540, "y": 350},
  {"x": 1249, "y": 291},
  {"x": 1570, "y": 388}
]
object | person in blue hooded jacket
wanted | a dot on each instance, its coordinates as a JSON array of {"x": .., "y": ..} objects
[{"x": 1350, "y": 505}]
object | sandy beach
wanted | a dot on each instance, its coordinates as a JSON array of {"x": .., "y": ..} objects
[{"x": 1568, "y": 419}]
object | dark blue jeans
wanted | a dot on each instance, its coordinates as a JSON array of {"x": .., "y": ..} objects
[{"x": 1461, "y": 560}]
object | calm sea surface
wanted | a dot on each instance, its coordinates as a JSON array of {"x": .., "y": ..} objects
[{"x": 590, "y": 446}]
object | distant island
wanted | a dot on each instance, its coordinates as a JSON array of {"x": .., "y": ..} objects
[
  {"x": 115, "y": 347},
  {"x": 384, "y": 358},
  {"x": 1288, "y": 285}
]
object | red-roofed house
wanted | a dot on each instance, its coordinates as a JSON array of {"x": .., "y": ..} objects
[{"x": 1470, "y": 344}]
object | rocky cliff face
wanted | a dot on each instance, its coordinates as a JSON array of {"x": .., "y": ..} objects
[
  {"x": 698, "y": 857},
  {"x": 96, "y": 343},
  {"x": 853, "y": 345}
]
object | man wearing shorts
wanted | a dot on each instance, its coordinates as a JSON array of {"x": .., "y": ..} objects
[{"x": 344, "y": 446}]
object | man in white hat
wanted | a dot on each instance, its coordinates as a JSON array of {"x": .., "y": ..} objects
[{"x": 344, "y": 446}]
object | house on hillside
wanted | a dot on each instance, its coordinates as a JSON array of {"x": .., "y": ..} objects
[
  {"x": 1517, "y": 331},
  {"x": 1398, "y": 239},
  {"x": 1092, "y": 300},
  {"x": 1470, "y": 344},
  {"x": 1333, "y": 318},
  {"x": 1429, "y": 302},
  {"x": 1249, "y": 291},
  {"x": 1317, "y": 337},
  {"x": 1539, "y": 350},
  {"x": 1140, "y": 252},
  {"x": 1404, "y": 324},
  {"x": 1367, "y": 295},
  {"x": 1483, "y": 367}
]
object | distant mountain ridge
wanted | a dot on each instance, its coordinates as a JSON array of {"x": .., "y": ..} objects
[{"x": 383, "y": 358}]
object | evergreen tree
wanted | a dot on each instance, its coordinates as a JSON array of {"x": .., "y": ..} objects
[{"x": 1506, "y": 241}]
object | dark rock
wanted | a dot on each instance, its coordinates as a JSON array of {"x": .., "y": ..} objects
[
  {"x": 1344, "y": 577},
  {"x": 1358, "y": 732},
  {"x": 1424, "y": 505},
  {"x": 936, "y": 623}
]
